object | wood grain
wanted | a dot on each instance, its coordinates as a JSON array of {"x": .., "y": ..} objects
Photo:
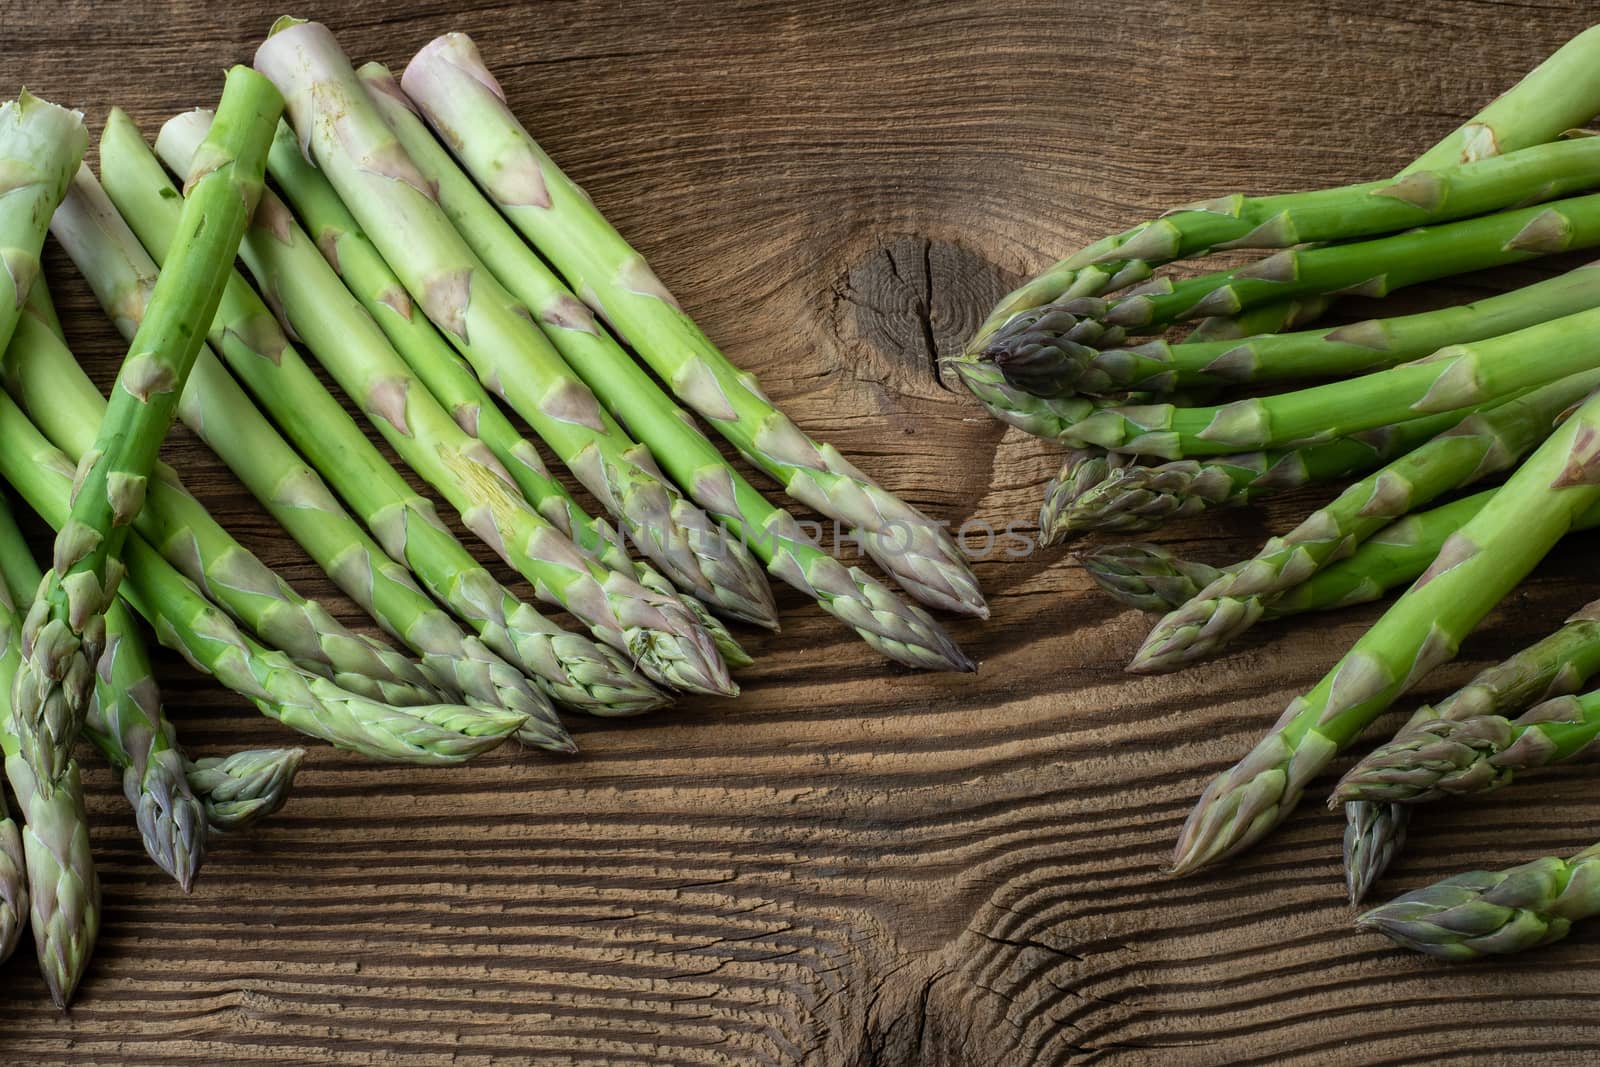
[{"x": 852, "y": 864}]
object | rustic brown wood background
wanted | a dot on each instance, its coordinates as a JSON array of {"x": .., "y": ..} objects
[{"x": 852, "y": 864}]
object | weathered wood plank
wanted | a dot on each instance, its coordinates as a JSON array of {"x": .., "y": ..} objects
[{"x": 852, "y": 864}]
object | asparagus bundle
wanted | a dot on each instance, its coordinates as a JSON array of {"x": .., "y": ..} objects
[
  {"x": 1492, "y": 913},
  {"x": 447, "y": 376},
  {"x": 1478, "y": 445},
  {"x": 185, "y": 621},
  {"x": 1476, "y": 567},
  {"x": 1062, "y": 348},
  {"x": 1559, "y": 664},
  {"x": 574, "y": 669},
  {"x": 899, "y": 630},
  {"x": 1560, "y": 94},
  {"x": 348, "y": 342},
  {"x": 52, "y": 878},
  {"x": 507, "y": 350},
  {"x": 459, "y": 96},
  {"x": 64, "y": 631}
]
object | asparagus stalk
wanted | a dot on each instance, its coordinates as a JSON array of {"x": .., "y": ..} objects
[
  {"x": 243, "y": 789},
  {"x": 1146, "y": 577},
  {"x": 447, "y": 376},
  {"x": 896, "y": 628},
  {"x": 47, "y": 871},
  {"x": 1374, "y": 344},
  {"x": 461, "y": 99},
  {"x": 64, "y": 632},
  {"x": 1559, "y": 664},
  {"x": 336, "y": 329},
  {"x": 185, "y": 621},
  {"x": 1456, "y": 757},
  {"x": 1477, "y": 566},
  {"x": 1560, "y": 94},
  {"x": 507, "y": 350},
  {"x": 45, "y": 379},
  {"x": 1494, "y": 913},
  {"x": 126, "y": 712},
  {"x": 1480, "y": 444},
  {"x": 1100, "y": 492},
  {"x": 41, "y": 146},
  {"x": 574, "y": 668}
]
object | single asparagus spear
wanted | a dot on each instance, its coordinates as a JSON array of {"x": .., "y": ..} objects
[
  {"x": 403, "y": 521},
  {"x": 41, "y": 146},
  {"x": 45, "y": 379},
  {"x": 1455, "y": 757},
  {"x": 1494, "y": 913},
  {"x": 1560, "y": 94},
  {"x": 126, "y": 707},
  {"x": 507, "y": 350},
  {"x": 1480, "y": 444},
  {"x": 1477, "y": 566},
  {"x": 64, "y": 632},
  {"x": 335, "y": 328},
  {"x": 447, "y": 375},
  {"x": 461, "y": 99},
  {"x": 242, "y": 789},
  {"x": 52, "y": 878},
  {"x": 185, "y": 621},
  {"x": 1100, "y": 492},
  {"x": 898, "y": 629},
  {"x": 1557, "y": 665},
  {"x": 1355, "y": 349}
]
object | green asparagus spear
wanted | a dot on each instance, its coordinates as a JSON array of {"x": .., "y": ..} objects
[
  {"x": 402, "y": 520},
  {"x": 242, "y": 789},
  {"x": 1557, "y": 665},
  {"x": 1477, "y": 566},
  {"x": 509, "y": 352},
  {"x": 61, "y": 893},
  {"x": 1455, "y": 757},
  {"x": 1480, "y": 444},
  {"x": 41, "y": 146},
  {"x": 64, "y": 632},
  {"x": 447, "y": 375},
  {"x": 1355, "y": 349},
  {"x": 459, "y": 96},
  {"x": 185, "y": 621},
  {"x": 1560, "y": 94},
  {"x": 1146, "y": 577},
  {"x": 1494, "y": 913},
  {"x": 900, "y": 630},
  {"x": 335, "y": 328}
]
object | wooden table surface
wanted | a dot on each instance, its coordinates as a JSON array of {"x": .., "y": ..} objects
[{"x": 852, "y": 864}]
